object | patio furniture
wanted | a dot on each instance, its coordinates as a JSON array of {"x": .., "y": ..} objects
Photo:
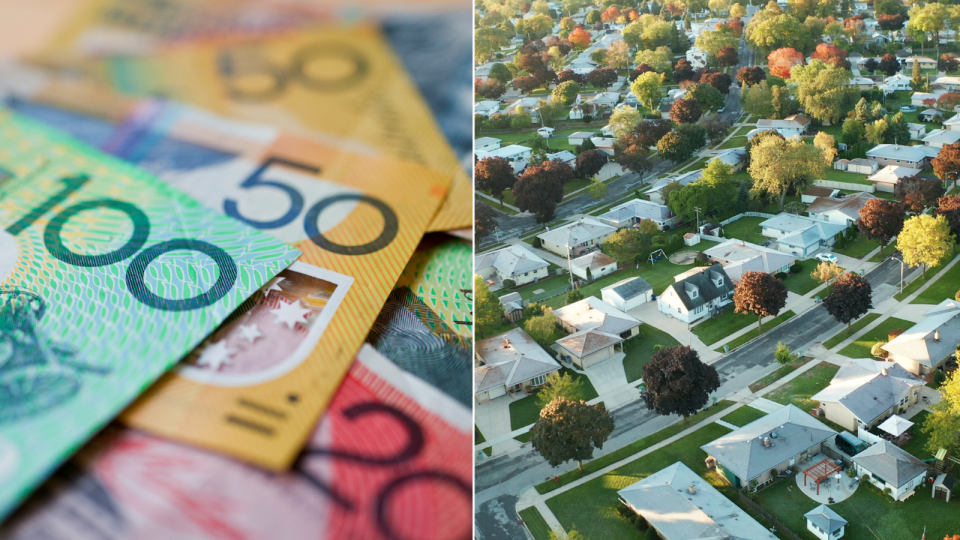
[{"x": 821, "y": 472}]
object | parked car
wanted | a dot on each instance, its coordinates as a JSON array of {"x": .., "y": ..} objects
[
  {"x": 908, "y": 108},
  {"x": 826, "y": 257}
]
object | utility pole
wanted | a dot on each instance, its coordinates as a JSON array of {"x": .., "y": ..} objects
[{"x": 697, "y": 208}]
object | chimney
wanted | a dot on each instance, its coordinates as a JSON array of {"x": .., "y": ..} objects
[
  {"x": 766, "y": 442},
  {"x": 936, "y": 336},
  {"x": 692, "y": 488},
  {"x": 883, "y": 372}
]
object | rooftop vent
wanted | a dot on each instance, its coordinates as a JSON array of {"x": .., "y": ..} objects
[
  {"x": 692, "y": 488},
  {"x": 936, "y": 336}
]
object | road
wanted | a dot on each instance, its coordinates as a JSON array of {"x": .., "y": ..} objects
[{"x": 500, "y": 481}]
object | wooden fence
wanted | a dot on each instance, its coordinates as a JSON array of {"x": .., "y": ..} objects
[{"x": 777, "y": 524}]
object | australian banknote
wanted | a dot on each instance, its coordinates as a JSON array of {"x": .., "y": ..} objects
[{"x": 108, "y": 276}]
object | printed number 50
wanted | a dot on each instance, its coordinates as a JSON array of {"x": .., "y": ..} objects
[{"x": 136, "y": 272}]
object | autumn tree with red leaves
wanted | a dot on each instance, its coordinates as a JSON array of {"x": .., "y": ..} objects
[
  {"x": 881, "y": 220},
  {"x": 728, "y": 56},
  {"x": 831, "y": 55},
  {"x": 947, "y": 163},
  {"x": 761, "y": 294},
  {"x": 917, "y": 193},
  {"x": 611, "y": 14},
  {"x": 580, "y": 39},
  {"x": 494, "y": 174},
  {"x": 850, "y": 299},
  {"x": 781, "y": 61},
  {"x": 949, "y": 207},
  {"x": 685, "y": 111},
  {"x": 948, "y": 101}
]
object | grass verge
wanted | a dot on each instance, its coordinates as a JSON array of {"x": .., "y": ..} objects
[
  {"x": 854, "y": 328},
  {"x": 769, "y": 325}
]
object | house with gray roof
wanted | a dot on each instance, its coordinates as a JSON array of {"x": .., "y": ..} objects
[
  {"x": 565, "y": 156},
  {"x": 577, "y": 238},
  {"x": 788, "y": 127},
  {"x": 697, "y": 294},
  {"x": 599, "y": 265},
  {"x": 887, "y": 178},
  {"x": 595, "y": 329},
  {"x": 634, "y": 211},
  {"x": 841, "y": 211},
  {"x": 930, "y": 344},
  {"x": 888, "y": 466},
  {"x": 656, "y": 190},
  {"x": 680, "y": 505},
  {"x": 799, "y": 235},
  {"x": 512, "y": 306},
  {"x": 509, "y": 363},
  {"x": 775, "y": 441},
  {"x": 866, "y": 392},
  {"x": 737, "y": 257},
  {"x": 939, "y": 138},
  {"x": 824, "y": 523},
  {"x": 917, "y": 157},
  {"x": 514, "y": 262},
  {"x": 627, "y": 294}
]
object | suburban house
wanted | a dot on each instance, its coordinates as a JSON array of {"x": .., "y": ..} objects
[
  {"x": 917, "y": 131},
  {"x": 656, "y": 190},
  {"x": 509, "y": 363},
  {"x": 697, "y": 57},
  {"x": 627, "y": 294},
  {"x": 813, "y": 193},
  {"x": 512, "y": 306},
  {"x": 895, "y": 83},
  {"x": 824, "y": 523},
  {"x": 546, "y": 132},
  {"x": 788, "y": 127},
  {"x": 799, "y": 235},
  {"x": 578, "y": 111},
  {"x": 529, "y": 105},
  {"x": 514, "y": 262},
  {"x": 889, "y": 466},
  {"x": 565, "y": 156},
  {"x": 486, "y": 144},
  {"x": 930, "y": 344},
  {"x": 595, "y": 328},
  {"x": 930, "y": 115},
  {"x": 866, "y": 392},
  {"x": 843, "y": 211},
  {"x": 518, "y": 156},
  {"x": 925, "y": 62},
  {"x": 917, "y": 157},
  {"x": 597, "y": 263},
  {"x": 696, "y": 294},
  {"x": 605, "y": 101},
  {"x": 857, "y": 165},
  {"x": 580, "y": 137},
  {"x": 939, "y": 138},
  {"x": 862, "y": 83},
  {"x": 733, "y": 157},
  {"x": 487, "y": 108},
  {"x": 776, "y": 441},
  {"x": 950, "y": 83},
  {"x": 574, "y": 239},
  {"x": 952, "y": 123},
  {"x": 887, "y": 178},
  {"x": 634, "y": 211},
  {"x": 680, "y": 505},
  {"x": 737, "y": 257},
  {"x": 917, "y": 98}
]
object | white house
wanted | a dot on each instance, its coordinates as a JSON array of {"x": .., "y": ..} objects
[
  {"x": 697, "y": 57},
  {"x": 486, "y": 144},
  {"x": 604, "y": 144},
  {"x": 866, "y": 392},
  {"x": 546, "y": 132},
  {"x": 514, "y": 262},
  {"x": 925, "y": 62},
  {"x": 656, "y": 190},
  {"x": 931, "y": 115},
  {"x": 486, "y": 108},
  {"x": 627, "y": 294},
  {"x": 824, "y": 523},
  {"x": 518, "y": 156},
  {"x": 894, "y": 83},
  {"x": 799, "y": 235},
  {"x": 917, "y": 131},
  {"x": 929, "y": 344},
  {"x": 917, "y": 98},
  {"x": 952, "y": 123},
  {"x": 857, "y": 165},
  {"x": 605, "y": 100},
  {"x": 696, "y": 294},
  {"x": 574, "y": 239},
  {"x": 595, "y": 328},
  {"x": 565, "y": 156},
  {"x": 737, "y": 257},
  {"x": 843, "y": 211},
  {"x": 598, "y": 263},
  {"x": 916, "y": 157},
  {"x": 950, "y": 83},
  {"x": 529, "y": 105},
  {"x": 792, "y": 125},
  {"x": 863, "y": 83},
  {"x": 732, "y": 157},
  {"x": 887, "y": 178},
  {"x": 577, "y": 112},
  {"x": 939, "y": 138},
  {"x": 578, "y": 138},
  {"x": 889, "y": 467},
  {"x": 509, "y": 363},
  {"x": 634, "y": 211}
]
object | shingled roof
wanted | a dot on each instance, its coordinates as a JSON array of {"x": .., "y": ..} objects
[{"x": 705, "y": 285}]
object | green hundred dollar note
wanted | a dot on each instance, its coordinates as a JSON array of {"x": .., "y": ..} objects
[{"x": 108, "y": 277}]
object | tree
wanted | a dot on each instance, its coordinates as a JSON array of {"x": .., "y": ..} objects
[
  {"x": 677, "y": 148},
  {"x": 570, "y": 75},
  {"x": 889, "y": 64},
  {"x": 710, "y": 98},
  {"x": 677, "y": 382},
  {"x": 826, "y": 272},
  {"x": 526, "y": 84},
  {"x": 668, "y": 190},
  {"x": 758, "y": 100},
  {"x": 685, "y": 111},
  {"x": 495, "y": 175},
  {"x": 870, "y": 65},
  {"x": 597, "y": 191},
  {"x": 501, "y": 73},
  {"x": 876, "y": 132},
  {"x": 541, "y": 328},
  {"x": 580, "y": 39},
  {"x": 635, "y": 158},
  {"x": 776, "y": 32},
  {"x": 711, "y": 193},
  {"x": 717, "y": 128},
  {"x": 925, "y": 241},
  {"x": 781, "y": 61},
  {"x": 540, "y": 188},
  {"x": 881, "y": 220},
  {"x": 728, "y": 57},
  {"x": 487, "y": 309},
  {"x": 851, "y": 298},
  {"x": 783, "y": 355},
  {"x": 660, "y": 59},
  {"x": 761, "y": 294},
  {"x": 737, "y": 11},
  {"x": 624, "y": 120},
  {"x": 487, "y": 41},
  {"x": 575, "y": 295},
  {"x": 918, "y": 193},
  {"x": 831, "y": 55},
  {"x": 566, "y": 92},
  {"x": 590, "y": 162},
  {"x": 683, "y": 71},
  {"x": 751, "y": 75},
  {"x": 618, "y": 55},
  {"x": 649, "y": 132},
  {"x": 928, "y": 19},
  {"x": 646, "y": 88},
  {"x": 943, "y": 422},
  {"x": 720, "y": 81},
  {"x": 827, "y": 144},
  {"x": 570, "y": 430},
  {"x": 947, "y": 163},
  {"x": 853, "y": 131},
  {"x": 778, "y": 165},
  {"x": 520, "y": 119},
  {"x": 484, "y": 220},
  {"x": 898, "y": 131},
  {"x": 626, "y": 245},
  {"x": 948, "y": 101},
  {"x": 712, "y": 41},
  {"x": 949, "y": 208},
  {"x": 610, "y": 14},
  {"x": 823, "y": 91},
  {"x": 490, "y": 88}
]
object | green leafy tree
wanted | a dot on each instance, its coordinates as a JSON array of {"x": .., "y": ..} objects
[
  {"x": 709, "y": 98},
  {"x": 569, "y": 430},
  {"x": 783, "y": 354},
  {"x": 853, "y": 131},
  {"x": 876, "y": 132},
  {"x": 487, "y": 309},
  {"x": 624, "y": 120},
  {"x": 778, "y": 165},
  {"x": 682, "y": 143},
  {"x": 660, "y": 59},
  {"x": 626, "y": 245},
  {"x": 541, "y": 328},
  {"x": 566, "y": 92},
  {"x": 711, "y": 41},
  {"x": 646, "y": 88},
  {"x": 822, "y": 90},
  {"x": 943, "y": 423},
  {"x": 925, "y": 241},
  {"x": 598, "y": 189}
]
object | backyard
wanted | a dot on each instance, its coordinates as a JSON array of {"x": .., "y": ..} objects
[
  {"x": 916, "y": 444},
  {"x": 747, "y": 229},
  {"x": 799, "y": 390},
  {"x": 659, "y": 275},
  {"x": 861, "y": 347},
  {"x": 639, "y": 351},
  {"x": 778, "y": 374},
  {"x": 549, "y": 284}
]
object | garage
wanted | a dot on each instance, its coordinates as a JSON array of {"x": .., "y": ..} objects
[{"x": 627, "y": 294}]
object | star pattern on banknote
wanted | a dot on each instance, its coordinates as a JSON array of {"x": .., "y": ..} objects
[
  {"x": 274, "y": 285},
  {"x": 216, "y": 355},
  {"x": 250, "y": 333},
  {"x": 290, "y": 314}
]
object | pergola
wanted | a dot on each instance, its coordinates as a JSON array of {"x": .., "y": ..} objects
[{"x": 820, "y": 471}]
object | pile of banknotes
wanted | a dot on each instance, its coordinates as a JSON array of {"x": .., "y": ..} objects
[{"x": 235, "y": 270}]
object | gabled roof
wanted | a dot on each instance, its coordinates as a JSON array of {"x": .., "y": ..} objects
[
  {"x": 508, "y": 151},
  {"x": 955, "y": 119},
  {"x": 795, "y": 121},
  {"x": 743, "y": 452},
  {"x": 582, "y": 230},
  {"x": 511, "y": 260},
  {"x": 738, "y": 257},
  {"x": 588, "y": 342},
  {"x": 605, "y": 97},
  {"x": 801, "y": 231},
  {"x": 942, "y": 136},
  {"x": 563, "y": 155},
  {"x": 826, "y": 519},
  {"x": 891, "y": 463},
  {"x": 704, "y": 282},
  {"x": 483, "y": 141},
  {"x": 512, "y": 301},
  {"x": 486, "y": 106},
  {"x": 637, "y": 208},
  {"x": 581, "y": 135},
  {"x": 594, "y": 260},
  {"x": 665, "y": 501},
  {"x": 629, "y": 288},
  {"x": 849, "y": 206},
  {"x": 893, "y": 151},
  {"x": 593, "y": 314},
  {"x": 868, "y": 388},
  {"x": 511, "y": 358},
  {"x": 684, "y": 179},
  {"x": 919, "y": 343},
  {"x": 891, "y": 174}
]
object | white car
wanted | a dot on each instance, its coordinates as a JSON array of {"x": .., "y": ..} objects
[{"x": 826, "y": 257}]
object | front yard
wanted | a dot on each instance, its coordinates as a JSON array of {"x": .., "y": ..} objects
[
  {"x": 526, "y": 411},
  {"x": 944, "y": 288},
  {"x": 861, "y": 347},
  {"x": 801, "y": 283},
  {"x": 858, "y": 248},
  {"x": 799, "y": 390},
  {"x": 854, "y": 328},
  {"x": 744, "y": 415},
  {"x": 716, "y": 328},
  {"x": 767, "y": 326},
  {"x": 639, "y": 351}
]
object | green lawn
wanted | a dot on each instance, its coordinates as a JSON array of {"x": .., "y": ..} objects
[
  {"x": 574, "y": 185},
  {"x": 778, "y": 374},
  {"x": 526, "y": 411},
  {"x": 495, "y": 331},
  {"x": 639, "y": 351},
  {"x": 743, "y": 130},
  {"x": 592, "y": 506},
  {"x": 480, "y": 440},
  {"x": 743, "y": 416},
  {"x": 861, "y": 347},
  {"x": 932, "y": 274},
  {"x": 916, "y": 444},
  {"x": 945, "y": 287},
  {"x": 658, "y": 275},
  {"x": 799, "y": 390},
  {"x": 716, "y": 328},
  {"x": 746, "y": 228},
  {"x": 534, "y": 521},
  {"x": 733, "y": 142},
  {"x": 633, "y": 448},
  {"x": 858, "y": 248},
  {"x": 854, "y": 328},
  {"x": 801, "y": 283},
  {"x": 871, "y": 515},
  {"x": 844, "y": 176},
  {"x": 548, "y": 284},
  {"x": 767, "y": 326}
]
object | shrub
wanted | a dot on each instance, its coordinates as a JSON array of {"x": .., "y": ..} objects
[
  {"x": 780, "y": 275},
  {"x": 641, "y": 524},
  {"x": 499, "y": 121},
  {"x": 877, "y": 351},
  {"x": 533, "y": 310},
  {"x": 894, "y": 333},
  {"x": 939, "y": 377},
  {"x": 796, "y": 268},
  {"x": 701, "y": 259},
  {"x": 625, "y": 511},
  {"x": 657, "y": 348},
  {"x": 509, "y": 283},
  {"x": 574, "y": 296},
  {"x": 652, "y": 534},
  {"x": 774, "y": 473},
  {"x": 865, "y": 478},
  {"x": 887, "y": 491},
  {"x": 851, "y": 472},
  {"x": 587, "y": 119}
]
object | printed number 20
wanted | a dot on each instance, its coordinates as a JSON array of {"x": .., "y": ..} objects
[{"x": 136, "y": 272}]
